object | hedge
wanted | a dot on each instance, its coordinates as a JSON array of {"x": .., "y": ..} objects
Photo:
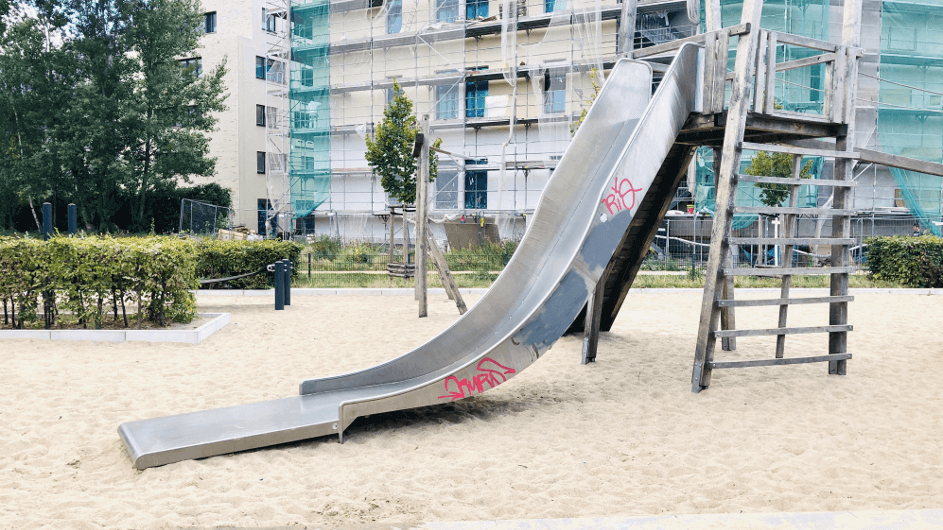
[
  {"x": 911, "y": 261},
  {"x": 80, "y": 280},
  {"x": 223, "y": 259}
]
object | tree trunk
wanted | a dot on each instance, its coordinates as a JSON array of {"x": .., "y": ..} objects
[{"x": 35, "y": 217}]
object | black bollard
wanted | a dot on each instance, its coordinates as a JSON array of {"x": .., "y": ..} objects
[
  {"x": 47, "y": 221},
  {"x": 287, "y": 282},
  {"x": 73, "y": 222},
  {"x": 279, "y": 286}
]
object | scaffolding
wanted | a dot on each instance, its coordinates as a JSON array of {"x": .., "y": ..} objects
[{"x": 504, "y": 84}]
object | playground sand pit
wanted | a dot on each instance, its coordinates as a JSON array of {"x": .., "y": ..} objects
[{"x": 623, "y": 436}]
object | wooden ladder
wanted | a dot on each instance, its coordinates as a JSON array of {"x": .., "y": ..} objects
[{"x": 756, "y": 66}]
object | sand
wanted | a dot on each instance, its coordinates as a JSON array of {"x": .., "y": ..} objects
[{"x": 623, "y": 436}]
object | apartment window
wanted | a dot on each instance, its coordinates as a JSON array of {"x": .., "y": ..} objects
[
  {"x": 555, "y": 91},
  {"x": 209, "y": 22},
  {"x": 446, "y": 97},
  {"x": 196, "y": 63},
  {"x": 271, "y": 116},
  {"x": 476, "y": 8},
  {"x": 260, "y": 161},
  {"x": 446, "y": 188},
  {"x": 260, "y": 115},
  {"x": 268, "y": 21},
  {"x": 394, "y": 18},
  {"x": 446, "y": 10},
  {"x": 307, "y": 76},
  {"x": 259, "y": 67},
  {"x": 475, "y": 94},
  {"x": 304, "y": 119},
  {"x": 554, "y": 5},
  {"x": 263, "y": 206},
  {"x": 476, "y": 190}
]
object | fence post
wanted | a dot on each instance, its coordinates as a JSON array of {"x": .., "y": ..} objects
[
  {"x": 309, "y": 265},
  {"x": 279, "y": 285},
  {"x": 47, "y": 221}
]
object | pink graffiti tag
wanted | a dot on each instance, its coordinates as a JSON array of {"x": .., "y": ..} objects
[
  {"x": 489, "y": 373},
  {"x": 615, "y": 201}
]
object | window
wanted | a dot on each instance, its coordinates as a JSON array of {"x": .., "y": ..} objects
[
  {"x": 304, "y": 120},
  {"x": 307, "y": 76},
  {"x": 271, "y": 116},
  {"x": 263, "y": 206},
  {"x": 195, "y": 63},
  {"x": 476, "y": 8},
  {"x": 446, "y": 188},
  {"x": 394, "y": 18},
  {"x": 476, "y": 190},
  {"x": 555, "y": 91},
  {"x": 554, "y": 5},
  {"x": 209, "y": 22},
  {"x": 260, "y": 115},
  {"x": 446, "y": 97},
  {"x": 259, "y": 67},
  {"x": 268, "y": 21},
  {"x": 446, "y": 10},
  {"x": 475, "y": 94},
  {"x": 260, "y": 161}
]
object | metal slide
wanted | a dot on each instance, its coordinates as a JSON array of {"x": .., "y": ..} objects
[{"x": 575, "y": 236}]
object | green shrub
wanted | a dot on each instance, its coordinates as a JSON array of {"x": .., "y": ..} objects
[
  {"x": 487, "y": 257},
  {"x": 325, "y": 247},
  {"x": 222, "y": 259},
  {"x": 911, "y": 261},
  {"x": 358, "y": 253},
  {"x": 77, "y": 280}
]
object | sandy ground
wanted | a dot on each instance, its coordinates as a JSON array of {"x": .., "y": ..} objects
[{"x": 623, "y": 436}]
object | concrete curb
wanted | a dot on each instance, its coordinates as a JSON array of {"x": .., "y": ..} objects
[{"x": 190, "y": 336}]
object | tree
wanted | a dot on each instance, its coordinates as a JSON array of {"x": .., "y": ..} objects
[
  {"x": 173, "y": 103},
  {"x": 593, "y": 75},
  {"x": 775, "y": 165},
  {"x": 390, "y": 151}
]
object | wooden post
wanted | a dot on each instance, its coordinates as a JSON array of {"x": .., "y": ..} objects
[
  {"x": 627, "y": 27},
  {"x": 727, "y": 315},
  {"x": 422, "y": 219},
  {"x": 445, "y": 275},
  {"x": 712, "y": 15},
  {"x": 726, "y": 191},
  {"x": 789, "y": 230},
  {"x": 844, "y": 169}
]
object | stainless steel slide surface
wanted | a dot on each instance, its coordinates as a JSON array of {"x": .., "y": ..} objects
[{"x": 579, "y": 224}]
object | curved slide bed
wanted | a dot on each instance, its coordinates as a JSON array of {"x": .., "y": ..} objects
[{"x": 577, "y": 230}]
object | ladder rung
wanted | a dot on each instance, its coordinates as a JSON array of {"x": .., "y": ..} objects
[
  {"x": 775, "y": 362},
  {"x": 784, "y": 301},
  {"x": 783, "y": 271},
  {"x": 806, "y": 151},
  {"x": 801, "y": 182},
  {"x": 773, "y": 210},
  {"x": 807, "y": 241},
  {"x": 722, "y": 333}
]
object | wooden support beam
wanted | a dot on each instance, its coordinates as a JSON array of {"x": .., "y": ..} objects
[
  {"x": 422, "y": 219},
  {"x": 808, "y": 61},
  {"x": 804, "y": 151},
  {"x": 805, "y": 241},
  {"x": 805, "y": 42},
  {"x": 809, "y": 182},
  {"x": 740, "y": 103},
  {"x": 627, "y": 27},
  {"x": 779, "y": 362},
  {"x": 780, "y": 331},
  {"x": 797, "y": 271},
  {"x": 712, "y": 15},
  {"x": 790, "y": 227},
  {"x": 445, "y": 274},
  {"x": 728, "y": 318},
  {"x": 900, "y": 162},
  {"x": 784, "y": 301},
  {"x": 775, "y": 210}
]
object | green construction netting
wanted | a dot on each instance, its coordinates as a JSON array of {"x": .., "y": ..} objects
[
  {"x": 309, "y": 107},
  {"x": 910, "y": 119},
  {"x": 798, "y": 90}
]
